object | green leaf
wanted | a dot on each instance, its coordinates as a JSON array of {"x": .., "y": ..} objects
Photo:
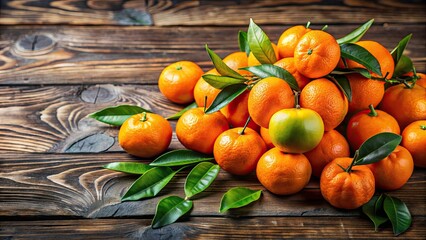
[
  {"x": 177, "y": 115},
  {"x": 226, "y": 96},
  {"x": 243, "y": 42},
  {"x": 260, "y": 45},
  {"x": 149, "y": 184},
  {"x": 343, "y": 71},
  {"x": 369, "y": 209},
  {"x": 343, "y": 83},
  {"x": 403, "y": 66},
  {"x": 221, "y": 82},
  {"x": 269, "y": 70},
  {"x": 200, "y": 178},
  {"x": 170, "y": 209},
  {"x": 360, "y": 55},
  {"x": 117, "y": 115},
  {"x": 221, "y": 67},
  {"x": 377, "y": 147},
  {"x": 180, "y": 157},
  {"x": 398, "y": 214},
  {"x": 238, "y": 197},
  {"x": 128, "y": 167},
  {"x": 356, "y": 34},
  {"x": 398, "y": 51}
]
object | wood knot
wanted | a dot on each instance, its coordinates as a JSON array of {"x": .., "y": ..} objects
[
  {"x": 34, "y": 45},
  {"x": 92, "y": 144},
  {"x": 99, "y": 94}
]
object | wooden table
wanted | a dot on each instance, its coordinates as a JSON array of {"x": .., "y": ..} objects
[{"x": 61, "y": 60}]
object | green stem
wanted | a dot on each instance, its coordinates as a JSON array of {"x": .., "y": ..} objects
[
  {"x": 353, "y": 163},
  {"x": 324, "y": 28},
  {"x": 296, "y": 99},
  {"x": 408, "y": 85},
  {"x": 423, "y": 127},
  {"x": 373, "y": 112},
  {"x": 205, "y": 104},
  {"x": 308, "y": 24},
  {"x": 143, "y": 117},
  {"x": 245, "y": 125}
]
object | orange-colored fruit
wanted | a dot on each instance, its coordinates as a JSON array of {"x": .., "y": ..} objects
[
  {"x": 289, "y": 39},
  {"x": 414, "y": 140},
  {"x": 252, "y": 60},
  {"x": 288, "y": 64},
  {"x": 368, "y": 123},
  {"x": 236, "y": 61},
  {"x": 422, "y": 80},
  {"x": 283, "y": 173},
  {"x": 316, "y": 54},
  {"x": 333, "y": 145},
  {"x": 198, "y": 131},
  {"x": 405, "y": 104},
  {"x": 237, "y": 152},
  {"x": 382, "y": 55},
  {"x": 203, "y": 89},
  {"x": 324, "y": 97},
  {"x": 145, "y": 135},
  {"x": 392, "y": 172},
  {"x": 267, "y": 97},
  {"x": 177, "y": 81},
  {"x": 365, "y": 91},
  {"x": 237, "y": 112},
  {"x": 264, "y": 133},
  {"x": 346, "y": 190}
]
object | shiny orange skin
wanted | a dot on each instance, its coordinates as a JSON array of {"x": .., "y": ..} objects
[
  {"x": 414, "y": 140},
  {"x": 203, "y": 89},
  {"x": 252, "y": 60},
  {"x": 333, "y": 145},
  {"x": 288, "y": 64},
  {"x": 392, "y": 172},
  {"x": 177, "y": 81},
  {"x": 264, "y": 133},
  {"x": 198, "y": 131},
  {"x": 283, "y": 173},
  {"x": 422, "y": 80},
  {"x": 365, "y": 91},
  {"x": 362, "y": 126},
  {"x": 316, "y": 54},
  {"x": 324, "y": 97},
  {"x": 238, "y": 153},
  {"x": 237, "y": 112},
  {"x": 267, "y": 97},
  {"x": 346, "y": 190},
  {"x": 406, "y": 105},
  {"x": 145, "y": 136},
  {"x": 237, "y": 60},
  {"x": 289, "y": 39},
  {"x": 382, "y": 55}
]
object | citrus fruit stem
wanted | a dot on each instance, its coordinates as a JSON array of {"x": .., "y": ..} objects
[
  {"x": 373, "y": 112},
  {"x": 245, "y": 125},
  {"x": 407, "y": 85},
  {"x": 179, "y": 68},
  {"x": 143, "y": 119},
  {"x": 423, "y": 127},
  {"x": 349, "y": 169},
  {"x": 310, "y": 51},
  {"x": 308, "y": 24},
  {"x": 324, "y": 28},
  {"x": 296, "y": 99},
  {"x": 205, "y": 104}
]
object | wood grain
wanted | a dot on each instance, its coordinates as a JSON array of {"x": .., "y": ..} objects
[
  {"x": 137, "y": 55},
  {"x": 208, "y": 228},
  {"x": 75, "y": 185}
]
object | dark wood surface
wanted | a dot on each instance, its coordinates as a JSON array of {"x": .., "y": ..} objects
[{"x": 61, "y": 60}]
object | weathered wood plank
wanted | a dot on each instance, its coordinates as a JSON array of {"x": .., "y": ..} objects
[
  {"x": 202, "y": 12},
  {"x": 208, "y": 228},
  {"x": 137, "y": 55},
  {"x": 75, "y": 185}
]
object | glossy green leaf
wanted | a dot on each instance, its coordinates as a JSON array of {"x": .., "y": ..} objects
[
  {"x": 221, "y": 82},
  {"x": 398, "y": 51},
  {"x": 200, "y": 178},
  {"x": 180, "y": 157},
  {"x": 369, "y": 209},
  {"x": 404, "y": 65},
  {"x": 360, "y": 55},
  {"x": 225, "y": 96},
  {"x": 260, "y": 45},
  {"x": 398, "y": 214},
  {"x": 170, "y": 209},
  {"x": 221, "y": 67},
  {"x": 377, "y": 147},
  {"x": 177, "y": 115},
  {"x": 128, "y": 167},
  {"x": 243, "y": 42},
  {"x": 149, "y": 184},
  {"x": 117, "y": 115},
  {"x": 343, "y": 71},
  {"x": 269, "y": 70},
  {"x": 343, "y": 83},
  {"x": 238, "y": 197},
  {"x": 356, "y": 34}
]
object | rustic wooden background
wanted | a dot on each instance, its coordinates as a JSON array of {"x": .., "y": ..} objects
[{"x": 63, "y": 59}]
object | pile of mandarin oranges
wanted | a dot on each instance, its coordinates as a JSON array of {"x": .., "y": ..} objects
[{"x": 287, "y": 136}]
